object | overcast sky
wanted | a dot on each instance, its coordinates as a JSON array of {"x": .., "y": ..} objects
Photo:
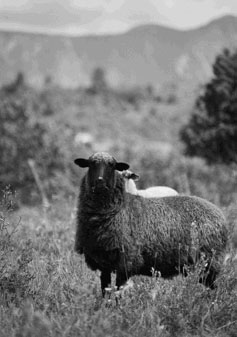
[{"x": 108, "y": 16}]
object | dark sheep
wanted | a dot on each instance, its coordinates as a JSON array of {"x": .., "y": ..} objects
[{"x": 128, "y": 234}]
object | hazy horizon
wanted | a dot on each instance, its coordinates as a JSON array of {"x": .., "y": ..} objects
[{"x": 102, "y": 17}]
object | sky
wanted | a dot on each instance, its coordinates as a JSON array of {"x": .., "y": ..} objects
[{"x": 80, "y": 17}]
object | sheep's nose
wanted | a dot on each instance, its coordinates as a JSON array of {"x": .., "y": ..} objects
[{"x": 100, "y": 181}]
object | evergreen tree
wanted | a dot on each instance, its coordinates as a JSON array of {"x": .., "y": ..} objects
[
  {"x": 98, "y": 81},
  {"x": 212, "y": 130}
]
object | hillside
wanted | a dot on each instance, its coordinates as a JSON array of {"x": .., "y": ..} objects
[{"x": 146, "y": 54}]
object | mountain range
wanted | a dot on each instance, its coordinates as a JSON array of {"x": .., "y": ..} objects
[{"x": 148, "y": 54}]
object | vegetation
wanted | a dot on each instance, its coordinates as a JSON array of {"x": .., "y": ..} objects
[
  {"x": 212, "y": 130},
  {"x": 34, "y": 124},
  {"x": 45, "y": 288},
  {"x": 98, "y": 81},
  {"x": 24, "y": 137}
]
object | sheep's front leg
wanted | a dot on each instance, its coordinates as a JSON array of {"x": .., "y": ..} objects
[
  {"x": 105, "y": 279},
  {"x": 121, "y": 278}
]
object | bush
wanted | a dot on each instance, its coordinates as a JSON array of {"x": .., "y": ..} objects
[
  {"x": 24, "y": 136},
  {"x": 15, "y": 256},
  {"x": 186, "y": 175},
  {"x": 98, "y": 82}
]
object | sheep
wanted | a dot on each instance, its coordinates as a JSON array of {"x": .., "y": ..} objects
[
  {"x": 150, "y": 192},
  {"x": 129, "y": 235}
]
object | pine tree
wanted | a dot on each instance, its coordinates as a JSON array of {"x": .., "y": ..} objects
[
  {"x": 212, "y": 130},
  {"x": 99, "y": 83}
]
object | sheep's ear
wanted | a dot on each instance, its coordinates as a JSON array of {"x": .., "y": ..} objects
[
  {"x": 134, "y": 176},
  {"x": 82, "y": 162},
  {"x": 121, "y": 166}
]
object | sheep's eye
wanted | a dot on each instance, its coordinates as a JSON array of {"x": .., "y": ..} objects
[{"x": 92, "y": 164}]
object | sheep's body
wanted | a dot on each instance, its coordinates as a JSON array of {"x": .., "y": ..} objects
[
  {"x": 150, "y": 192},
  {"x": 127, "y": 234}
]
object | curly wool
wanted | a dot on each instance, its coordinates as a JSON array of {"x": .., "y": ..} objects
[{"x": 121, "y": 232}]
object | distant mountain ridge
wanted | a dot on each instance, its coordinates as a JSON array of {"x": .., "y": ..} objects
[{"x": 148, "y": 54}]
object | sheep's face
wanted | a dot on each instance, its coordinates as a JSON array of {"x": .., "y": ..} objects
[
  {"x": 130, "y": 175},
  {"x": 101, "y": 174}
]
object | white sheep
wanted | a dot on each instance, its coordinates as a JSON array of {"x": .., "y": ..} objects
[{"x": 150, "y": 192}]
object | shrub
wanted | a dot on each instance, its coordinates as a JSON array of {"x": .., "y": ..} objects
[
  {"x": 15, "y": 256},
  {"x": 24, "y": 137}
]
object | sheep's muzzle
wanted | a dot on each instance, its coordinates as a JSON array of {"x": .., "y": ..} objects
[{"x": 100, "y": 185}]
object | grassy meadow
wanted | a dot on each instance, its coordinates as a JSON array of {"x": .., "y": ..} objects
[{"x": 46, "y": 289}]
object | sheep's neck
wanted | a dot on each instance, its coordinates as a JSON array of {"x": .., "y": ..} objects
[
  {"x": 130, "y": 186},
  {"x": 103, "y": 204}
]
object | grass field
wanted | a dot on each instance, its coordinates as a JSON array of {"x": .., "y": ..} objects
[{"x": 47, "y": 290}]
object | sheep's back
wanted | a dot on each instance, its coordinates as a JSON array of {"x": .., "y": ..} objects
[
  {"x": 158, "y": 192},
  {"x": 177, "y": 220}
]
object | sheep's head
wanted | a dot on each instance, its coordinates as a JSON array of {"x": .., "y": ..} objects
[
  {"x": 130, "y": 178},
  {"x": 101, "y": 173},
  {"x": 130, "y": 175}
]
